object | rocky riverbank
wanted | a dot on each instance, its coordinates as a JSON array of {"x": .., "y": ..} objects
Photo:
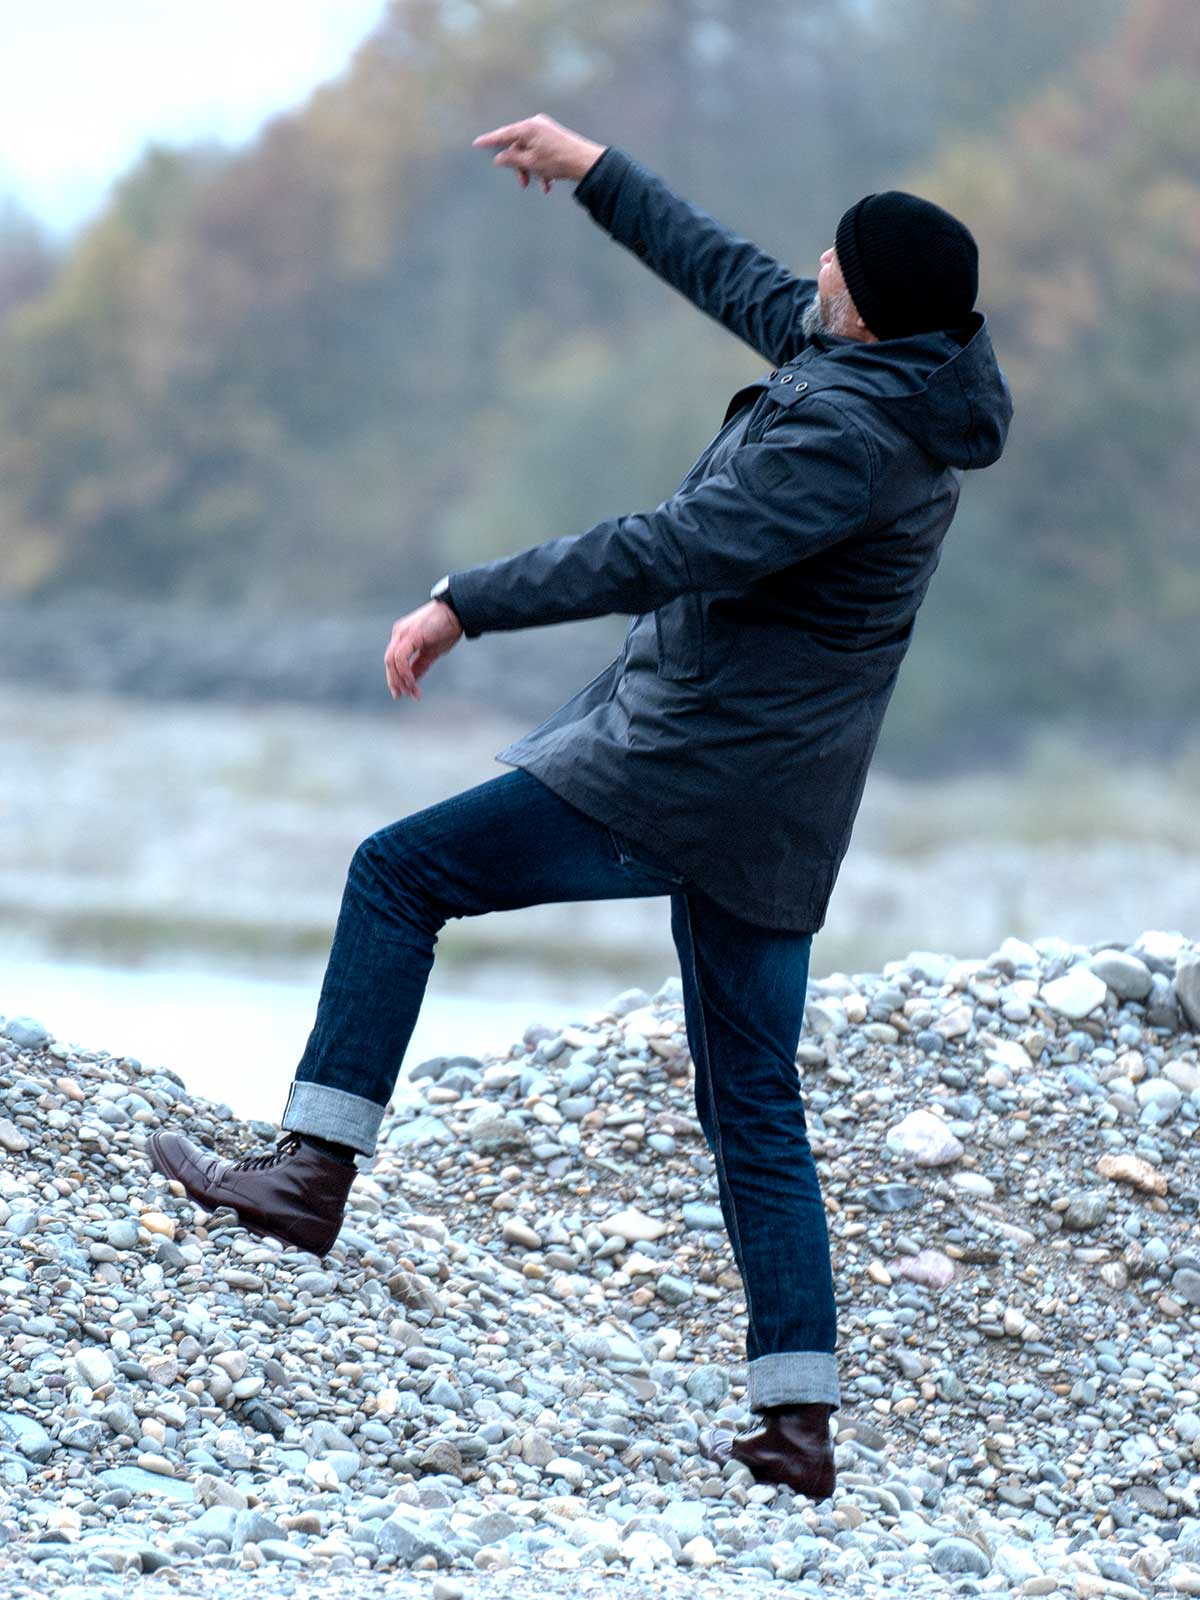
[{"x": 494, "y": 1381}]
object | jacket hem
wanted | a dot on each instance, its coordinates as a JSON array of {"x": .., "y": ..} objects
[{"x": 640, "y": 831}]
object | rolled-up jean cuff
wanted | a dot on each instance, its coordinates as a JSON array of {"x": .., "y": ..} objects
[
  {"x": 333, "y": 1114},
  {"x": 792, "y": 1378}
]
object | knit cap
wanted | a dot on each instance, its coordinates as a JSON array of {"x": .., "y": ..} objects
[{"x": 909, "y": 265}]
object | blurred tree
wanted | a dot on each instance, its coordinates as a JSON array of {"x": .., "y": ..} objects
[
  {"x": 1070, "y": 582},
  {"x": 27, "y": 258},
  {"x": 326, "y": 366},
  {"x": 981, "y": 56}
]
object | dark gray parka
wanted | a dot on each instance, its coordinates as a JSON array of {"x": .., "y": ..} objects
[{"x": 772, "y": 596}]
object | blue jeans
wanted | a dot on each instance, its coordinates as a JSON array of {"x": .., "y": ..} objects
[{"x": 513, "y": 842}]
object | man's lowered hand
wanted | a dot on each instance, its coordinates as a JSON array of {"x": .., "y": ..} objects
[{"x": 417, "y": 641}]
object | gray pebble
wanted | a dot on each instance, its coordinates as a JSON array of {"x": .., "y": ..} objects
[{"x": 959, "y": 1555}]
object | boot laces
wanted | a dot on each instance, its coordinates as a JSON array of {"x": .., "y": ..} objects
[{"x": 287, "y": 1146}]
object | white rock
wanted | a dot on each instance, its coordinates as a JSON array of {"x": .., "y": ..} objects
[
  {"x": 517, "y": 1232},
  {"x": 94, "y": 1367},
  {"x": 825, "y": 1019},
  {"x": 1155, "y": 945},
  {"x": 954, "y": 1022},
  {"x": 837, "y": 983},
  {"x": 536, "y": 1449},
  {"x": 700, "y": 1552},
  {"x": 974, "y": 1183},
  {"x": 634, "y": 1226},
  {"x": 1019, "y": 953},
  {"x": 645, "y": 1550},
  {"x": 1016, "y": 1562},
  {"x": 1184, "y": 1075},
  {"x": 960, "y": 973},
  {"x": 856, "y": 1008},
  {"x": 1008, "y": 1053},
  {"x": 643, "y": 1021},
  {"x": 923, "y": 1138},
  {"x": 11, "y": 1137},
  {"x": 1076, "y": 993},
  {"x": 639, "y": 1266},
  {"x": 929, "y": 963},
  {"x": 930, "y": 1267},
  {"x": 1160, "y": 1092},
  {"x": 563, "y": 1467}
]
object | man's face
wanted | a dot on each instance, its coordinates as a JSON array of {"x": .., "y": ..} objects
[
  {"x": 833, "y": 309},
  {"x": 829, "y": 278}
]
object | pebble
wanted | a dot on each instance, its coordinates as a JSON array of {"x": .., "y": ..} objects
[
  {"x": 1128, "y": 977},
  {"x": 1087, "y": 1209},
  {"x": 933, "y": 1268},
  {"x": 923, "y": 1138},
  {"x": 95, "y": 1367},
  {"x": 516, "y": 1232},
  {"x": 633, "y": 1226},
  {"x": 888, "y": 1197},
  {"x": 707, "y": 1386},
  {"x": 1134, "y": 1171},
  {"x": 959, "y": 1555},
  {"x": 11, "y": 1137},
  {"x": 27, "y": 1033},
  {"x": 1187, "y": 987},
  {"x": 1076, "y": 994},
  {"x": 701, "y": 1218},
  {"x": 494, "y": 1381}
]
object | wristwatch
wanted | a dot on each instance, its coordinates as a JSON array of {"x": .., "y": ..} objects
[{"x": 441, "y": 591}]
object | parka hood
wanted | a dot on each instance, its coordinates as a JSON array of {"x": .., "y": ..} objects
[{"x": 945, "y": 389}]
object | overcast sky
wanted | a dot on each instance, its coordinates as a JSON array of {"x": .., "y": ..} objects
[{"x": 85, "y": 83}]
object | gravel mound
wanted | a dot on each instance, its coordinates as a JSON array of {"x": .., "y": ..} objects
[{"x": 494, "y": 1382}]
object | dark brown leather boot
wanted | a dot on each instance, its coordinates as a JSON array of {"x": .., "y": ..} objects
[
  {"x": 792, "y": 1446},
  {"x": 295, "y": 1192}
]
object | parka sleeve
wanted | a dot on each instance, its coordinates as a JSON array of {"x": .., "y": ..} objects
[
  {"x": 723, "y": 274},
  {"x": 806, "y": 485}
]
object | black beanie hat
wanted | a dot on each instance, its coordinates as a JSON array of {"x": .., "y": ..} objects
[{"x": 909, "y": 265}]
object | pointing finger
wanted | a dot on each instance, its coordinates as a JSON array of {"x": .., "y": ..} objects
[{"x": 499, "y": 135}]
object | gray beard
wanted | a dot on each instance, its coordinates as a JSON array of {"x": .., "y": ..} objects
[{"x": 821, "y": 318}]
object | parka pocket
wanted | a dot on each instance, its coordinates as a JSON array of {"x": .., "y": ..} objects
[{"x": 679, "y": 625}]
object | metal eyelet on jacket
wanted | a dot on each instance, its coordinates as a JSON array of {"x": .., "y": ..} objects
[{"x": 787, "y": 378}]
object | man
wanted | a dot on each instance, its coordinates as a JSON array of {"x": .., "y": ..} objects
[{"x": 719, "y": 758}]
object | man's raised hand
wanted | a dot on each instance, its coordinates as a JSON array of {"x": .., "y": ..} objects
[
  {"x": 539, "y": 147},
  {"x": 417, "y": 641}
]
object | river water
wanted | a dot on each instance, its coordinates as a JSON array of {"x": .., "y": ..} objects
[
  {"x": 170, "y": 876},
  {"x": 237, "y": 1040}
]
